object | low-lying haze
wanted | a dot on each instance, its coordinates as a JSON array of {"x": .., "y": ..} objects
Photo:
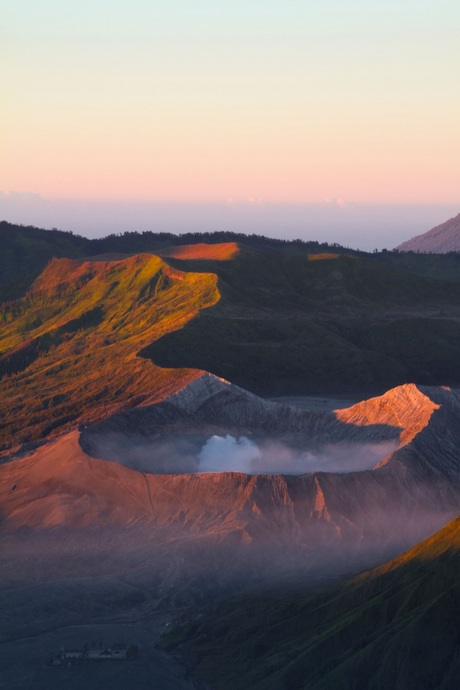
[
  {"x": 188, "y": 454},
  {"x": 360, "y": 226}
]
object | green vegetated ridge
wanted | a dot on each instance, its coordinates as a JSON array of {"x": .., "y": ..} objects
[
  {"x": 287, "y": 324},
  {"x": 395, "y": 627},
  {"x": 68, "y": 348},
  {"x": 348, "y": 322}
]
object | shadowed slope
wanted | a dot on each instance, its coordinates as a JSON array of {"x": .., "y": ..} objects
[
  {"x": 69, "y": 346},
  {"x": 395, "y": 627},
  {"x": 287, "y": 324},
  {"x": 25, "y": 251}
]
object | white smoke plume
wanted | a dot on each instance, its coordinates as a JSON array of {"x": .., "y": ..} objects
[{"x": 230, "y": 454}]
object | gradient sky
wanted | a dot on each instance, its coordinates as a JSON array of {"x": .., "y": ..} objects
[{"x": 293, "y": 101}]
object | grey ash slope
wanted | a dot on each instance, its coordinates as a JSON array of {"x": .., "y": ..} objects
[{"x": 439, "y": 240}]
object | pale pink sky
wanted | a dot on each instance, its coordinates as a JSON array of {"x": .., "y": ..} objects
[{"x": 206, "y": 102}]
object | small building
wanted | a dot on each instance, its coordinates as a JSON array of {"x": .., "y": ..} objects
[
  {"x": 71, "y": 657},
  {"x": 106, "y": 654},
  {"x": 73, "y": 654}
]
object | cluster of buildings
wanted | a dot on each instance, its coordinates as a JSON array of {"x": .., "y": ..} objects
[{"x": 72, "y": 657}]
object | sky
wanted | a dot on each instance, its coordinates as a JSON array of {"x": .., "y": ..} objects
[{"x": 183, "y": 111}]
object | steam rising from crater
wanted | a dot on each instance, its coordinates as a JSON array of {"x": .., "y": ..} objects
[{"x": 230, "y": 454}]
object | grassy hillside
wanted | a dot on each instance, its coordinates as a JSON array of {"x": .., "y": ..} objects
[
  {"x": 395, "y": 627},
  {"x": 68, "y": 348}
]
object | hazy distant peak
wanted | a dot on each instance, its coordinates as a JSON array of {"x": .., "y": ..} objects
[{"x": 439, "y": 240}]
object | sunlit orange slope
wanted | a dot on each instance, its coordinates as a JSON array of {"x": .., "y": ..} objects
[
  {"x": 223, "y": 251},
  {"x": 406, "y": 407},
  {"x": 72, "y": 341},
  {"x": 444, "y": 544}
]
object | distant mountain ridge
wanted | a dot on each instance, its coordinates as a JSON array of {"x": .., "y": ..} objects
[
  {"x": 26, "y": 250},
  {"x": 439, "y": 240}
]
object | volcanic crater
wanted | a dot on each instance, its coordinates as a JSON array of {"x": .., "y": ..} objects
[
  {"x": 309, "y": 492},
  {"x": 214, "y": 426}
]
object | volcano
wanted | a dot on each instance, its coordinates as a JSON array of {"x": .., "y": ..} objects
[{"x": 136, "y": 477}]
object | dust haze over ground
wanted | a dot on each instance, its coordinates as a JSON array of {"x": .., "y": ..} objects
[
  {"x": 68, "y": 588},
  {"x": 205, "y": 538}
]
